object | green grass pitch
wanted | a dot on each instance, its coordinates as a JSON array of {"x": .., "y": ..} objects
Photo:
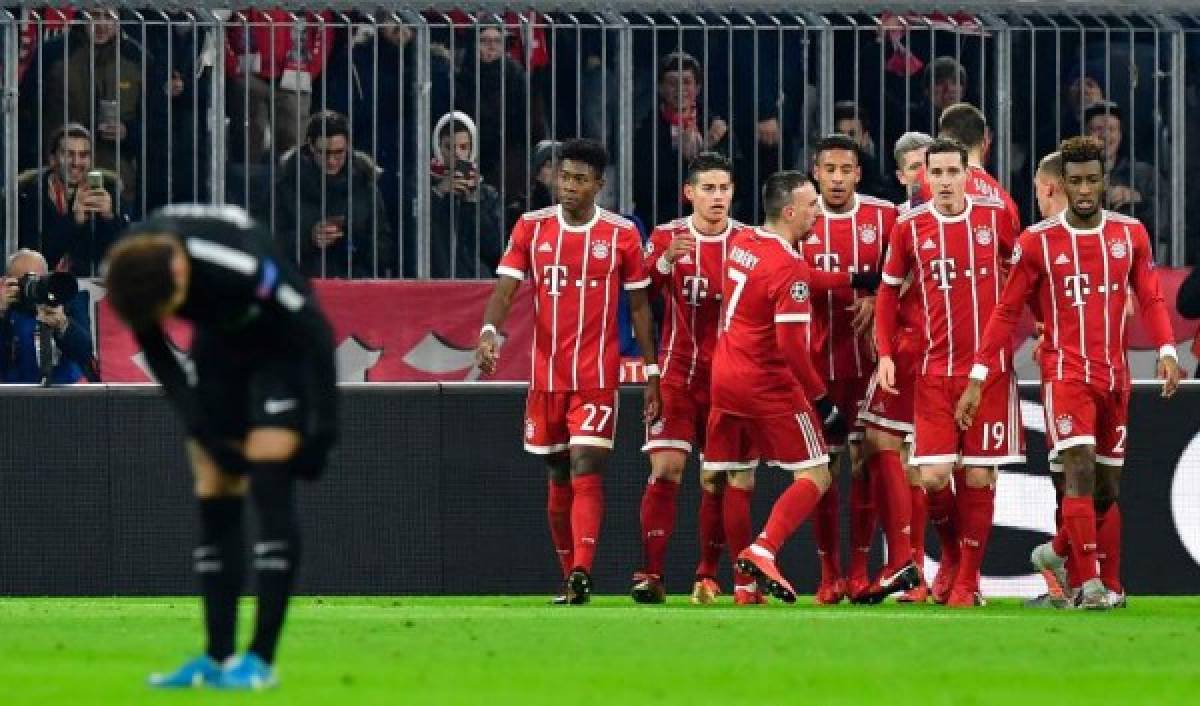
[{"x": 494, "y": 650}]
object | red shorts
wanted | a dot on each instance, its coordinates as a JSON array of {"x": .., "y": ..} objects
[
  {"x": 556, "y": 421},
  {"x": 888, "y": 412},
  {"x": 1079, "y": 414},
  {"x": 682, "y": 424},
  {"x": 792, "y": 442},
  {"x": 848, "y": 395},
  {"x": 996, "y": 437}
]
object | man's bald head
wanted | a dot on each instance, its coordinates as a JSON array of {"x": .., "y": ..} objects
[{"x": 24, "y": 261}]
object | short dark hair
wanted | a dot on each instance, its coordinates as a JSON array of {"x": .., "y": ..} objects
[
  {"x": 847, "y": 110},
  {"x": 837, "y": 141},
  {"x": 1051, "y": 165},
  {"x": 945, "y": 68},
  {"x": 946, "y": 145},
  {"x": 1081, "y": 149},
  {"x": 678, "y": 61},
  {"x": 708, "y": 162},
  {"x": 327, "y": 123},
  {"x": 963, "y": 122},
  {"x": 1104, "y": 107},
  {"x": 451, "y": 128},
  {"x": 590, "y": 152},
  {"x": 75, "y": 130},
  {"x": 138, "y": 280},
  {"x": 777, "y": 190}
]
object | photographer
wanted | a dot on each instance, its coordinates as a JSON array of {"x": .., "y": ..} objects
[
  {"x": 40, "y": 341},
  {"x": 465, "y": 213},
  {"x": 66, "y": 208}
]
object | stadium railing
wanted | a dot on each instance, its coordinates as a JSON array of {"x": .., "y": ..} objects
[{"x": 207, "y": 104}]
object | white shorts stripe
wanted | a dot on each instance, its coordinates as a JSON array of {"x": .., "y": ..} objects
[
  {"x": 800, "y": 465},
  {"x": 597, "y": 441},
  {"x": 730, "y": 465},
  {"x": 1072, "y": 443},
  {"x": 663, "y": 444},
  {"x": 546, "y": 450}
]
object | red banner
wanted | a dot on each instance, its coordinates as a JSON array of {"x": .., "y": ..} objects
[{"x": 410, "y": 331}]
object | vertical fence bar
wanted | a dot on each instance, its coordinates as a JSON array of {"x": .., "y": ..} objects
[
  {"x": 421, "y": 143},
  {"x": 624, "y": 122},
  {"x": 216, "y": 111},
  {"x": 1178, "y": 130},
  {"x": 12, "y": 51},
  {"x": 1002, "y": 125},
  {"x": 825, "y": 78}
]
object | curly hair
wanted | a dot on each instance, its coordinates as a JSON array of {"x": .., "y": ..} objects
[{"x": 1083, "y": 148}]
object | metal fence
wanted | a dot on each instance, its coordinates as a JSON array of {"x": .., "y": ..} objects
[{"x": 448, "y": 119}]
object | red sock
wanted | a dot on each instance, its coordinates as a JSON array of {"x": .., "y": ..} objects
[
  {"x": 1108, "y": 547},
  {"x": 587, "y": 511},
  {"x": 788, "y": 513},
  {"x": 827, "y": 536},
  {"x": 658, "y": 520},
  {"x": 712, "y": 533},
  {"x": 976, "y": 506},
  {"x": 738, "y": 534},
  {"x": 942, "y": 517},
  {"x": 895, "y": 505},
  {"x": 558, "y": 512},
  {"x": 862, "y": 524},
  {"x": 1079, "y": 521},
  {"x": 920, "y": 513},
  {"x": 1061, "y": 545}
]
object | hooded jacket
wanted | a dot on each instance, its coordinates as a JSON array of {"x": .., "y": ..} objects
[{"x": 466, "y": 235}]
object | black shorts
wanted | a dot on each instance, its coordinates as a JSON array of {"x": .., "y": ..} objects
[{"x": 240, "y": 390}]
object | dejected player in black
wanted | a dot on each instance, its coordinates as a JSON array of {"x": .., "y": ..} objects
[{"x": 260, "y": 407}]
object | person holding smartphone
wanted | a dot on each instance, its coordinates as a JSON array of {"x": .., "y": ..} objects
[
  {"x": 465, "y": 212},
  {"x": 67, "y": 210}
]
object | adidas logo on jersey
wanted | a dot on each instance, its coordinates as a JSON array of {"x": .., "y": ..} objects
[
  {"x": 545, "y": 247},
  {"x": 928, "y": 245},
  {"x": 1062, "y": 259}
]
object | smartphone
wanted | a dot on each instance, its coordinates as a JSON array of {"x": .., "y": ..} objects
[
  {"x": 95, "y": 179},
  {"x": 464, "y": 169}
]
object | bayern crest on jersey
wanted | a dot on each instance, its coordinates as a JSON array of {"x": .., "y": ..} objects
[
  {"x": 1117, "y": 248},
  {"x": 658, "y": 426},
  {"x": 599, "y": 249},
  {"x": 867, "y": 233},
  {"x": 530, "y": 429},
  {"x": 799, "y": 291},
  {"x": 1064, "y": 424},
  {"x": 983, "y": 235}
]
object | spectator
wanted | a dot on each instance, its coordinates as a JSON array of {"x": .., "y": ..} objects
[
  {"x": 1132, "y": 187},
  {"x": 98, "y": 73},
  {"x": 272, "y": 58},
  {"x": 66, "y": 209},
  {"x": 491, "y": 87},
  {"x": 545, "y": 174},
  {"x": 181, "y": 83},
  {"x": 665, "y": 144},
  {"x": 466, "y": 230},
  {"x": 371, "y": 77},
  {"x": 69, "y": 329},
  {"x": 331, "y": 215},
  {"x": 944, "y": 84},
  {"x": 909, "y": 154},
  {"x": 848, "y": 121}
]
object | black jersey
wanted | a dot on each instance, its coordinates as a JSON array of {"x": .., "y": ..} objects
[{"x": 242, "y": 292}]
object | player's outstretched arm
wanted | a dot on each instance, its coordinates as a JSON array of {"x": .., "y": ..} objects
[
  {"x": 487, "y": 353},
  {"x": 643, "y": 331}
]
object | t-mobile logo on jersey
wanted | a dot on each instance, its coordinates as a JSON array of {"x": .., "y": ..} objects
[
  {"x": 828, "y": 261},
  {"x": 1076, "y": 287},
  {"x": 695, "y": 288},
  {"x": 944, "y": 272},
  {"x": 555, "y": 277}
]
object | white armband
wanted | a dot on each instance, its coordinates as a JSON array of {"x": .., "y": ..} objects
[{"x": 651, "y": 370}]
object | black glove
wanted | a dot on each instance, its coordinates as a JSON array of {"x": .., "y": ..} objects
[
  {"x": 832, "y": 421},
  {"x": 866, "y": 281}
]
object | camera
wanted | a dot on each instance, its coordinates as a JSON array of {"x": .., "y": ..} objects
[{"x": 54, "y": 289}]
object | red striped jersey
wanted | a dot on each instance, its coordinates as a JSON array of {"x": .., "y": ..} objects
[
  {"x": 845, "y": 242},
  {"x": 1080, "y": 280},
  {"x": 957, "y": 266},
  {"x": 577, "y": 273},
  {"x": 691, "y": 289}
]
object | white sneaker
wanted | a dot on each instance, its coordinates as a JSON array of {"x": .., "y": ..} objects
[
  {"x": 1052, "y": 567},
  {"x": 1094, "y": 596},
  {"x": 1117, "y": 599}
]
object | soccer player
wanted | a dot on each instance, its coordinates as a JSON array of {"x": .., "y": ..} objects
[
  {"x": 260, "y": 410},
  {"x": 887, "y": 418},
  {"x": 577, "y": 257},
  {"x": 966, "y": 123},
  {"x": 1079, "y": 267},
  {"x": 686, "y": 261},
  {"x": 767, "y": 400},
  {"x": 955, "y": 247},
  {"x": 847, "y": 236}
]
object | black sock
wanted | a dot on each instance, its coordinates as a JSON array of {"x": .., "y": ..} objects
[
  {"x": 277, "y": 553},
  {"x": 219, "y": 563}
]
